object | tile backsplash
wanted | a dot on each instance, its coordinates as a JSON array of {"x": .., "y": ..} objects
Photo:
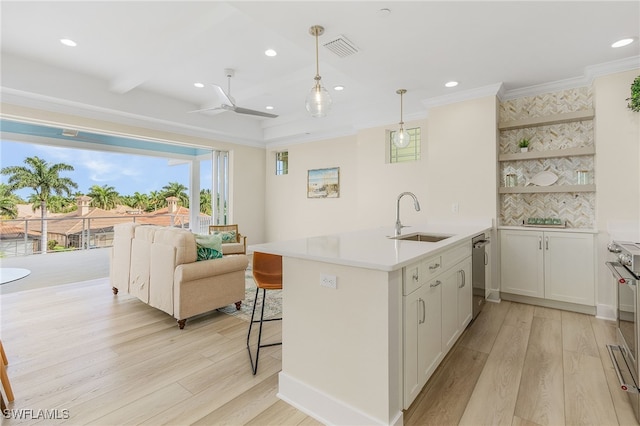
[{"x": 577, "y": 209}]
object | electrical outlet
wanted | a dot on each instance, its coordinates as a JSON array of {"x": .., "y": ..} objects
[
  {"x": 330, "y": 281},
  {"x": 455, "y": 207}
]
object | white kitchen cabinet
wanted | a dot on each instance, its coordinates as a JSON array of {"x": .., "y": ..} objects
[
  {"x": 548, "y": 264},
  {"x": 436, "y": 311},
  {"x": 465, "y": 294},
  {"x": 522, "y": 262}
]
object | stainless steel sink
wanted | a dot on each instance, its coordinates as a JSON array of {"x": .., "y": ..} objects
[{"x": 429, "y": 238}]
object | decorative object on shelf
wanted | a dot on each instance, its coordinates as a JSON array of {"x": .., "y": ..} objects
[
  {"x": 323, "y": 183},
  {"x": 524, "y": 145},
  {"x": 582, "y": 177},
  {"x": 401, "y": 136},
  {"x": 511, "y": 180},
  {"x": 634, "y": 100},
  {"x": 318, "y": 101},
  {"x": 545, "y": 178},
  {"x": 547, "y": 222}
]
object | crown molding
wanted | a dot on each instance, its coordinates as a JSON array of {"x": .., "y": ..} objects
[
  {"x": 480, "y": 92},
  {"x": 591, "y": 72}
]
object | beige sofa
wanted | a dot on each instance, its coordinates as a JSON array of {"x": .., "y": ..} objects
[{"x": 158, "y": 265}]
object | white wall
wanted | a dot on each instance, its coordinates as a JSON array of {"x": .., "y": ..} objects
[
  {"x": 457, "y": 165},
  {"x": 462, "y": 160},
  {"x": 289, "y": 213},
  {"x": 617, "y": 169}
]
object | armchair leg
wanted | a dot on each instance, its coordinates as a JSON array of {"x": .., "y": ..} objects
[
  {"x": 181, "y": 323},
  {"x": 115, "y": 290},
  {"x": 238, "y": 304}
]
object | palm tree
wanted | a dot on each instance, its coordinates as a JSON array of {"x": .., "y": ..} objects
[
  {"x": 205, "y": 201},
  {"x": 44, "y": 179},
  {"x": 178, "y": 190},
  {"x": 106, "y": 197},
  {"x": 156, "y": 201},
  {"x": 8, "y": 202},
  {"x": 139, "y": 201}
]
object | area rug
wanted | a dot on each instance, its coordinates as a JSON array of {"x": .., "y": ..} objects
[{"x": 272, "y": 309}]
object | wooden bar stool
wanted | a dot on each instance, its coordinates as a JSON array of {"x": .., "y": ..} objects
[
  {"x": 267, "y": 273},
  {"x": 3, "y": 374}
]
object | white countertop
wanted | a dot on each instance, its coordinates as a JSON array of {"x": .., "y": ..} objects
[
  {"x": 549, "y": 229},
  {"x": 373, "y": 249}
]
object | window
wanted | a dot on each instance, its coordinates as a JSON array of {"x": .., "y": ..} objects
[
  {"x": 409, "y": 153},
  {"x": 220, "y": 185},
  {"x": 282, "y": 163}
]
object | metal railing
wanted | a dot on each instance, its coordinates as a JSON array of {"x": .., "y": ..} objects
[{"x": 23, "y": 237}]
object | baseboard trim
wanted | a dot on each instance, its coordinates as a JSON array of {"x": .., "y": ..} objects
[
  {"x": 566, "y": 306},
  {"x": 606, "y": 312},
  {"x": 325, "y": 408}
]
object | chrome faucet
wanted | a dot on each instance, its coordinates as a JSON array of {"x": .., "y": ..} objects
[{"x": 416, "y": 204}]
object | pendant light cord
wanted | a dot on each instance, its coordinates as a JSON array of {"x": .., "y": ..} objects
[{"x": 316, "y": 30}]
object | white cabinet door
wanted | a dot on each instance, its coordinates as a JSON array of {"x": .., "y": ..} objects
[
  {"x": 465, "y": 294},
  {"x": 450, "y": 324},
  {"x": 522, "y": 262},
  {"x": 430, "y": 329},
  {"x": 412, "y": 314},
  {"x": 569, "y": 267},
  {"x": 422, "y": 337}
]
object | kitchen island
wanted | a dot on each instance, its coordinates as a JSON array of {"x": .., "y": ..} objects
[{"x": 347, "y": 354}]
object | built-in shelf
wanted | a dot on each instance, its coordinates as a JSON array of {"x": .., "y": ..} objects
[
  {"x": 546, "y": 189},
  {"x": 567, "y": 117},
  {"x": 533, "y": 155}
]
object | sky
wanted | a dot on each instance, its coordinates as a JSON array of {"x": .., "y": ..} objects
[{"x": 127, "y": 173}]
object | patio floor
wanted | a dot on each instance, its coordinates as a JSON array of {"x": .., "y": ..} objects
[{"x": 57, "y": 268}]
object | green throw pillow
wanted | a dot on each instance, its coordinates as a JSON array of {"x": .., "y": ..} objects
[
  {"x": 209, "y": 246},
  {"x": 211, "y": 241},
  {"x": 227, "y": 236},
  {"x": 206, "y": 253}
]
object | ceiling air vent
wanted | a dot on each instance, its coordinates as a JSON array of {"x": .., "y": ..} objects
[{"x": 341, "y": 46}]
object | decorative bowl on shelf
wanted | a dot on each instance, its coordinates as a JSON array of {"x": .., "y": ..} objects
[{"x": 543, "y": 179}]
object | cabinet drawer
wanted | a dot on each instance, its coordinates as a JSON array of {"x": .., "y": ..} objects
[
  {"x": 411, "y": 279},
  {"x": 416, "y": 274},
  {"x": 455, "y": 255},
  {"x": 432, "y": 266}
]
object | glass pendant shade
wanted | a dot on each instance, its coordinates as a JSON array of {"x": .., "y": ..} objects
[
  {"x": 318, "y": 101},
  {"x": 401, "y": 138}
]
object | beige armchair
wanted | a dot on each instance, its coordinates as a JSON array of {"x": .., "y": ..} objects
[{"x": 232, "y": 241}]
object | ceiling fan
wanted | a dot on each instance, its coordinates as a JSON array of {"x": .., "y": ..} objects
[{"x": 228, "y": 103}]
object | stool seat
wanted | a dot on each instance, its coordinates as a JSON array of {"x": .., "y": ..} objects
[{"x": 267, "y": 274}]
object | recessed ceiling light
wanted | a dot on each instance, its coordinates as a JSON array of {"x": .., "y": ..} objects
[
  {"x": 68, "y": 42},
  {"x": 198, "y": 85},
  {"x": 270, "y": 52},
  {"x": 623, "y": 42},
  {"x": 451, "y": 84},
  {"x": 338, "y": 88},
  {"x": 269, "y": 107}
]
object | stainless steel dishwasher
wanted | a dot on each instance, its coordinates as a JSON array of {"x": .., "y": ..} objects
[{"x": 479, "y": 261}]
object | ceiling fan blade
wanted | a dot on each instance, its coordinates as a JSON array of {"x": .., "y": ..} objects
[
  {"x": 254, "y": 112},
  {"x": 206, "y": 109},
  {"x": 226, "y": 99}
]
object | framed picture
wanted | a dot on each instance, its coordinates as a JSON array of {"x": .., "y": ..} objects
[{"x": 323, "y": 183}]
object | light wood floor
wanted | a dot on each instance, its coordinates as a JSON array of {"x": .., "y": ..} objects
[{"x": 112, "y": 360}]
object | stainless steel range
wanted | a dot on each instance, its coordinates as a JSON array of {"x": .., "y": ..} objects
[
  {"x": 624, "y": 355},
  {"x": 628, "y": 256}
]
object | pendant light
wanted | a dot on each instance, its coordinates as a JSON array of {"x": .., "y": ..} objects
[
  {"x": 401, "y": 137},
  {"x": 318, "y": 101}
]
